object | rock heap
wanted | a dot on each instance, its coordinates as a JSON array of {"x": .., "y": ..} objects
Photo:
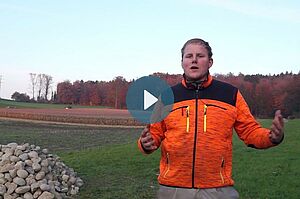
[{"x": 27, "y": 172}]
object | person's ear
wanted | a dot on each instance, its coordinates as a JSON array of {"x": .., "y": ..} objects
[{"x": 211, "y": 61}]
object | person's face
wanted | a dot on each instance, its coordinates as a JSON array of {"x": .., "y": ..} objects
[{"x": 195, "y": 62}]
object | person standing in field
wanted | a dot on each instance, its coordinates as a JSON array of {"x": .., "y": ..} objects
[{"x": 196, "y": 137}]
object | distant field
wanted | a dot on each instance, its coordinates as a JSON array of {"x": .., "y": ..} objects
[
  {"x": 112, "y": 167},
  {"x": 59, "y": 113},
  {"x": 13, "y": 104}
]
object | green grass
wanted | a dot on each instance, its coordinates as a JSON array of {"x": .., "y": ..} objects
[
  {"x": 112, "y": 167},
  {"x": 62, "y": 138},
  {"x": 271, "y": 173},
  {"x": 14, "y": 104},
  {"x": 115, "y": 172}
]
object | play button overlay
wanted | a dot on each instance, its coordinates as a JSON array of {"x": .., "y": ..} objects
[{"x": 149, "y": 99}]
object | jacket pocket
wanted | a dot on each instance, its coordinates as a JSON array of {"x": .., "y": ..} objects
[
  {"x": 222, "y": 170},
  {"x": 185, "y": 112},
  {"x": 166, "y": 171},
  {"x": 206, "y": 107},
  {"x": 204, "y": 119},
  {"x": 213, "y": 105},
  {"x": 181, "y": 108}
]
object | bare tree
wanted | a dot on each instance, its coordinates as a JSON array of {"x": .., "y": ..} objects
[
  {"x": 40, "y": 85},
  {"x": 48, "y": 81},
  {"x": 33, "y": 80}
]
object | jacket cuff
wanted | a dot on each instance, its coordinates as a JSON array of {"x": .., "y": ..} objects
[
  {"x": 276, "y": 143},
  {"x": 141, "y": 148}
]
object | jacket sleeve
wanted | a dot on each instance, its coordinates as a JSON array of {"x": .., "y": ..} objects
[
  {"x": 248, "y": 129},
  {"x": 157, "y": 132}
]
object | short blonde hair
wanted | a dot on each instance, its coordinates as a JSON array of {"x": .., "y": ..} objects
[{"x": 197, "y": 41}]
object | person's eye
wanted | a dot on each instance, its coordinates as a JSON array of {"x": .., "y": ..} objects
[{"x": 188, "y": 56}]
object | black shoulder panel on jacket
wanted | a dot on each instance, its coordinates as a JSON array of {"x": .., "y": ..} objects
[{"x": 218, "y": 90}]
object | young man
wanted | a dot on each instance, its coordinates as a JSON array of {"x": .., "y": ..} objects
[{"x": 196, "y": 137}]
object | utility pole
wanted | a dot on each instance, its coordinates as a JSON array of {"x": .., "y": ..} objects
[{"x": 0, "y": 84}]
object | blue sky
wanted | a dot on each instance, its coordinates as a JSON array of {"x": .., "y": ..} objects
[{"x": 99, "y": 40}]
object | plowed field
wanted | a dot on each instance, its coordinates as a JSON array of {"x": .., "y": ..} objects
[{"x": 96, "y": 116}]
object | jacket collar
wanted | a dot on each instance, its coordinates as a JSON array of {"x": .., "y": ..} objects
[{"x": 194, "y": 85}]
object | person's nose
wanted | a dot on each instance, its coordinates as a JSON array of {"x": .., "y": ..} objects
[{"x": 194, "y": 61}]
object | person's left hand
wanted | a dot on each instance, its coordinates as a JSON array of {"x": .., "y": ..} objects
[{"x": 276, "y": 133}]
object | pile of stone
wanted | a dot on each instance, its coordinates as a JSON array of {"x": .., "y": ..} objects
[{"x": 27, "y": 172}]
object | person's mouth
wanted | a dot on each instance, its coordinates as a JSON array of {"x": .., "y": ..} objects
[{"x": 194, "y": 67}]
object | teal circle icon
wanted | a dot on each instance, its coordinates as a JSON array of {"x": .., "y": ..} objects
[{"x": 149, "y": 99}]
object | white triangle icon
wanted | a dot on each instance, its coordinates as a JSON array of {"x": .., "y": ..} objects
[{"x": 149, "y": 99}]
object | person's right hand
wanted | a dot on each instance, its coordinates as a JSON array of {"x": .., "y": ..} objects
[{"x": 147, "y": 140}]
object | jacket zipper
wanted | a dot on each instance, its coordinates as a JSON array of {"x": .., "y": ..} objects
[
  {"x": 204, "y": 120},
  {"x": 195, "y": 139},
  {"x": 221, "y": 170},
  {"x": 187, "y": 118},
  {"x": 168, "y": 165}
]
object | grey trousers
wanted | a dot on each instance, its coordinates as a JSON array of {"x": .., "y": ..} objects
[{"x": 228, "y": 192}]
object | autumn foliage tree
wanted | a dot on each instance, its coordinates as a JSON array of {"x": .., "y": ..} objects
[
  {"x": 263, "y": 93},
  {"x": 65, "y": 93}
]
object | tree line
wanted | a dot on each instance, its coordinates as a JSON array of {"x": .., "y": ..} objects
[
  {"x": 94, "y": 93},
  {"x": 267, "y": 93},
  {"x": 263, "y": 93}
]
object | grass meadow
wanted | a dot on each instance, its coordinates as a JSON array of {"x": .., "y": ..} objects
[{"x": 111, "y": 166}]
